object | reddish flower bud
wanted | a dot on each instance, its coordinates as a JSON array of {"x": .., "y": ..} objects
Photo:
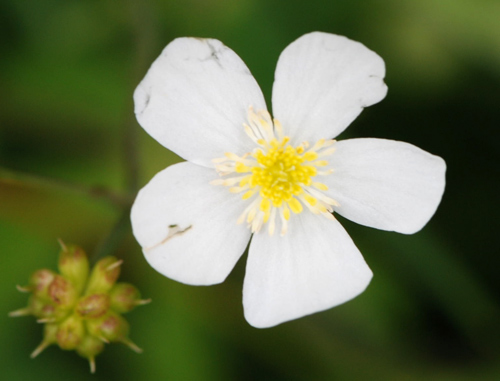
[
  {"x": 62, "y": 292},
  {"x": 103, "y": 276},
  {"x": 74, "y": 265},
  {"x": 93, "y": 306}
]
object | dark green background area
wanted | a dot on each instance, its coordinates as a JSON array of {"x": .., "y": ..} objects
[{"x": 67, "y": 73}]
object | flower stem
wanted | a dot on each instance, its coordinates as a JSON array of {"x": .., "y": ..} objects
[
  {"x": 12, "y": 177},
  {"x": 112, "y": 241},
  {"x": 142, "y": 23}
]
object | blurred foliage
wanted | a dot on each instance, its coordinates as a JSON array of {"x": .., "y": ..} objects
[{"x": 67, "y": 73}]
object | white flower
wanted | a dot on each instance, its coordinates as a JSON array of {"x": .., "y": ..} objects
[{"x": 274, "y": 182}]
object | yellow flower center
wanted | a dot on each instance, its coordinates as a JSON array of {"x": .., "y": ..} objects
[{"x": 276, "y": 177}]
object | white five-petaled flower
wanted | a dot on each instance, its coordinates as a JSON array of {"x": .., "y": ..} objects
[{"x": 275, "y": 182}]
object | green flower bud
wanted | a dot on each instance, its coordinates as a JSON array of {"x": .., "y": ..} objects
[
  {"x": 89, "y": 348},
  {"x": 79, "y": 311},
  {"x": 93, "y": 306},
  {"x": 124, "y": 297},
  {"x": 70, "y": 333},
  {"x": 111, "y": 327},
  {"x": 74, "y": 265},
  {"x": 62, "y": 292},
  {"x": 40, "y": 308},
  {"x": 103, "y": 276},
  {"x": 47, "y": 312}
]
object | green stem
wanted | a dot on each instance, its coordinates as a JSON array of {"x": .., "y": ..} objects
[
  {"x": 12, "y": 177},
  {"x": 112, "y": 241},
  {"x": 142, "y": 22}
]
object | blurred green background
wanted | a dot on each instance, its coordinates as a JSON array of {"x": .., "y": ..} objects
[{"x": 67, "y": 73}]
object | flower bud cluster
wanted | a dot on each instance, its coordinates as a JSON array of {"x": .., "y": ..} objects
[{"x": 81, "y": 309}]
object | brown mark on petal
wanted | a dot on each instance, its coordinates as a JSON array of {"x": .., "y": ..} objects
[
  {"x": 142, "y": 98},
  {"x": 173, "y": 231}
]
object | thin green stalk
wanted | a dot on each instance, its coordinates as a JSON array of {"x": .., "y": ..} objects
[
  {"x": 142, "y": 22},
  {"x": 110, "y": 243},
  {"x": 141, "y": 19},
  {"x": 12, "y": 177}
]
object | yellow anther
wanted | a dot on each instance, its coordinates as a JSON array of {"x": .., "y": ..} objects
[
  {"x": 310, "y": 199},
  {"x": 320, "y": 186},
  {"x": 295, "y": 205},
  {"x": 245, "y": 181},
  {"x": 232, "y": 156},
  {"x": 267, "y": 214},
  {"x": 286, "y": 213},
  {"x": 277, "y": 176},
  {"x": 321, "y": 163},
  {"x": 265, "y": 205},
  {"x": 241, "y": 168},
  {"x": 310, "y": 156},
  {"x": 247, "y": 195}
]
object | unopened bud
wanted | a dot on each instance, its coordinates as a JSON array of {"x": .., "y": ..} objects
[
  {"x": 124, "y": 297},
  {"x": 62, "y": 292},
  {"x": 40, "y": 281},
  {"x": 74, "y": 265},
  {"x": 93, "y": 306},
  {"x": 111, "y": 327},
  {"x": 89, "y": 348},
  {"x": 80, "y": 311},
  {"x": 103, "y": 276},
  {"x": 71, "y": 333},
  {"x": 40, "y": 307}
]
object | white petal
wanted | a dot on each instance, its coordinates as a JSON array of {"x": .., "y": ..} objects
[
  {"x": 208, "y": 241},
  {"x": 315, "y": 266},
  {"x": 194, "y": 100},
  {"x": 322, "y": 83},
  {"x": 386, "y": 184}
]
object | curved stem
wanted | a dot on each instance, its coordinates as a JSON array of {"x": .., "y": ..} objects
[{"x": 12, "y": 177}]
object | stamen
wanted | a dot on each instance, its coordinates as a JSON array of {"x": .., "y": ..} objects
[
  {"x": 285, "y": 216},
  {"x": 249, "y": 131},
  {"x": 322, "y": 197},
  {"x": 327, "y": 152},
  {"x": 279, "y": 129},
  {"x": 295, "y": 205},
  {"x": 272, "y": 222},
  {"x": 278, "y": 177},
  {"x": 238, "y": 189},
  {"x": 320, "y": 186}
]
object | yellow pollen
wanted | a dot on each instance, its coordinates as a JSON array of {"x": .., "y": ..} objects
[
  {"x": 286, "y": 213},
  {"x": 277, "y": 176}
]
